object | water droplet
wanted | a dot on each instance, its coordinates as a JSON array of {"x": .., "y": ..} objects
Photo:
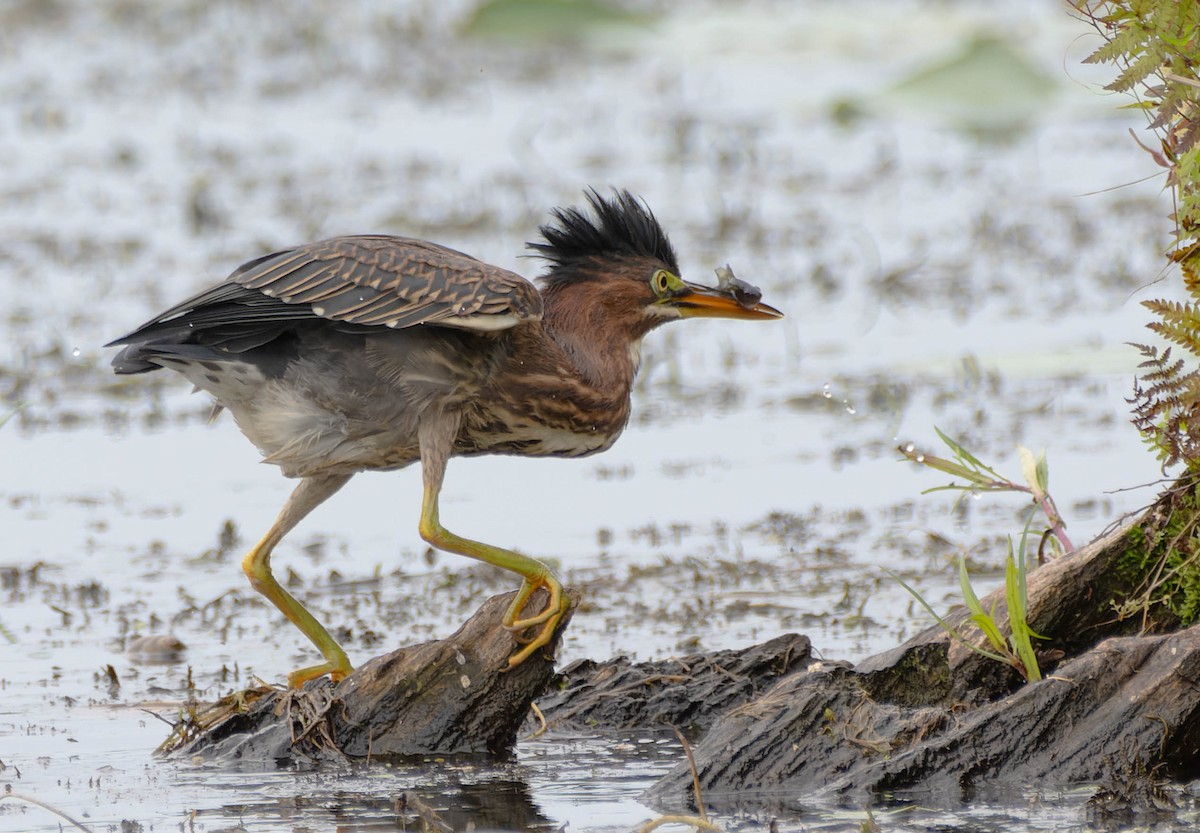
[
  {"x": 826, "y": 392},
  {"x": 909, "y": 448},
  {"x": 976, "y": 494},
  {"x": 849, "y": 407},
  {"x": 920, "y": 458},
  {"x": 76, "y": 352}
]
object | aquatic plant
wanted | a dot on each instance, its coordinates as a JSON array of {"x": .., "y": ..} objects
[
  {"x": 978, "y": 478},
  {"x": 1017, "y": 649}
]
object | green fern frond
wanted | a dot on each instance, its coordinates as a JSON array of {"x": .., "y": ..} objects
[
  {"x": 1141, "y": 69},
  {"x": 1155, "y": 44},
  {"x": 1167, "y": 412},
  {"x": 1130, "y": 40}
]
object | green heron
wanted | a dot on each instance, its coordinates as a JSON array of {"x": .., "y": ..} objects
[{"x": 373, "y": 352}]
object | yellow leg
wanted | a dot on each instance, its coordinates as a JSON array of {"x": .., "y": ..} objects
[
  {"x": 534, "y": 573},
  {"x": 257, "y": 564},
  {"x": 436, "y": 432}
]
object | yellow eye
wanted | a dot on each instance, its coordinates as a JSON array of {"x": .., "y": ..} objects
[{"x": 661, "y": 282}]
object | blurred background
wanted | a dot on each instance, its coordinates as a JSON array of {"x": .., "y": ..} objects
[{"x": 949, "y": 209}]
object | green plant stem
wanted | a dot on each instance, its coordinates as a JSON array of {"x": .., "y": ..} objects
[{"x": 977, "y": 475}]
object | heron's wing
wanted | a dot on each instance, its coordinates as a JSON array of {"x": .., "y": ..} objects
[{"x": 392, "y": 282}]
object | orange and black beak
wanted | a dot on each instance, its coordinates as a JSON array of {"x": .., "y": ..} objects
[{"x": 737, "y": 300}]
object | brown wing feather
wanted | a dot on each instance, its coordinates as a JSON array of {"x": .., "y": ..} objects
[{"x": 394, "y": 282}]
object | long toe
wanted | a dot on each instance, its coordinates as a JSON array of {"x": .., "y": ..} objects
[
  {"x": 556, "y": 605},
  {"x": 337, "y": 671},
  {"x": 548, "y": 619},
  {"x": 540, "y": 641}
]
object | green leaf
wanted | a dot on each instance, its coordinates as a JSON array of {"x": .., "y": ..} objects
[
  {"x": 1033, "y": 469},
  {"x": 1015, "y": 596},
  {"x": 951, "y": 468},
  {"x": 946, "y": 626},
  {"x": 964, "y": 455},
  {"x": 982, "y": 619},
  {"x": 1140, "y": 70}
]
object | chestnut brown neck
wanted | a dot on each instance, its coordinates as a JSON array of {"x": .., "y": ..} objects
[{"x": 599, "y": 328}]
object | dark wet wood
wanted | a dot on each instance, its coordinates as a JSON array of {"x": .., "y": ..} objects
[
  {"x": 451, "y": 696},
  {"x": 687, "y": 693},
  {"x": 933, "y": 717},
  {"x": 776, "y": 725},
  {"x": 1125, "y": 706}
]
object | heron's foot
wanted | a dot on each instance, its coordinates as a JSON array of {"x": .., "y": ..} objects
[
  {"x": 548, "y": 619},
  {"x": 337, "y": 668}
]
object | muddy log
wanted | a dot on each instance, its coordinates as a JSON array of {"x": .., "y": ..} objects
[
  {"x": 688, "y": 693},
  {"x": 932, "y": 716},
  {"x": 450, "y": 696}
]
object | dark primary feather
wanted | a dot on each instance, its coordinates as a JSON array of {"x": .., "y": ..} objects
[
  {"x": 623, "y": 226},
  {"x": 358, "y": 282}
]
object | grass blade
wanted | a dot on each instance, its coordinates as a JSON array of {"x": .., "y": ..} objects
[
  {"x": 1021, "y": 633},
  {"x": 946, "y": 626},
  {"x": 966, "y": 456},
  {"x": 984, "y": 620}
]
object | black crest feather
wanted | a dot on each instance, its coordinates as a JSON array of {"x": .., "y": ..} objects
[{"x": 623, "y": 226}]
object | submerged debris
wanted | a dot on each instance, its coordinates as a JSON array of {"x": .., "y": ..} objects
[
  {"x": 196, "y": 720},
  {"x": 163, "y": 649}
]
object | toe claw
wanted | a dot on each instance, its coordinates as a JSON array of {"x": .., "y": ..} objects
[{"x": 548, "y": 619}]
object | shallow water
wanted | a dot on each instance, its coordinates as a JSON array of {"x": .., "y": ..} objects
[{"x": 980, "y": 280}]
